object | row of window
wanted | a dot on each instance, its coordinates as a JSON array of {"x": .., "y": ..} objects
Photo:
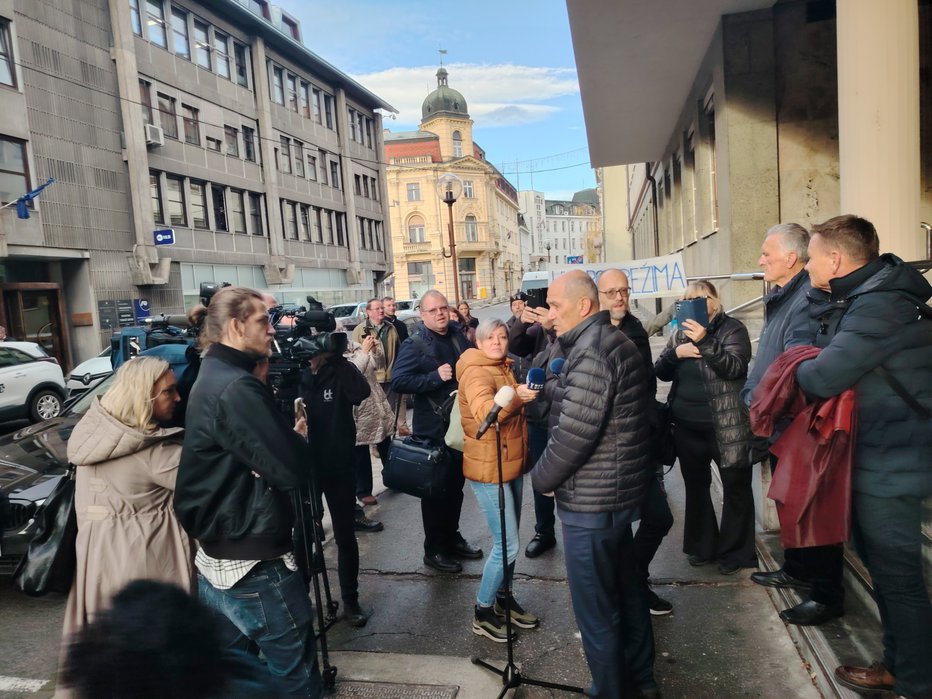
[
  {"x": 416, "y": 229},
  {"x": 313, "y": 224},
  {"x": 414, "y": 190},
  {"x": 560, "y": 226},
  {"x": 360, "y": 127},
  {"x": 176, "y": 200},
  {"x": 317, "y": 165},
  {"x": 299, "y": 96},
  {"x": 367, "y": 187},
  {"x": 370, "y": 234},
  {"x": 211, "y": 47}
]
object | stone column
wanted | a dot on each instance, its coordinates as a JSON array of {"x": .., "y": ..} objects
[{"x": 878, "y": 119}]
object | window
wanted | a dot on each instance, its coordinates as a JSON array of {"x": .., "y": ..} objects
[
  {"x": 318, "y": 229},
  {"x": 341, "y": 228},
  {"x": 249, "y": 144},
  {"x": 322, "y": 173},
  {"x": 259, "y": 7},
  {"x": 242, "y": 67},
  {"x": 231, "y": 140},
  {"x": 291, "y": 28},
  {"x": 360, "y": 126},
  {"x": 175, "y": 195},
  {"x": 191, "y": 126},
  {"x": 198, "y": 204},
  {"x": 472, "y": 229},
  {"x": 155, "y": 191},
  {"x": 328, "y": 226},
  {"x": 7, "y": 74},
  {"x": 311, "y": 167},
  {"x": 468, "y": 190},
  {"x": 167, "y": 117},
  {"x": 292, "y": 93},
  {"x": 369, "y": 132},
  {"x": 362, "y": 232},
  {"x": 134, "y": 17},
  {"x": 201, "y": 45},
  {"x": 457, "y": 145},
  {"x": 305, "y": 223},
  {"x": 414, "y": 191},
  {"x": 298, "y": 159},
  {"x": 315, "y": 104},
  {"x": 713, "y": 177},
  {"x": 416, "y": 230},
  {"x": 145, "y": 101},
  {"x": 237, "y": 211},
  {"x": 375, "y": 189},
  {"x": 278, "y": 85},
  {"x": 365, "y": 187},
  {"x": 328, "y": 111},
  {"x": 352, "y": 124},
  {"x": 334, "y": 174},
  {"x": 284, "y": 160},
  {"x": 419, "y": 269},
  {"x": 378, "y": 236},
  {"x": 214, "y": 144},
  {"x": 291, "y": 220},
  {"x": 255, "y": 214},
  {"x": 358, "y": 180},
  {"x": 370, "y": 228},
  {"x": 221, "y": 57},
  {"x": 155, "y": 20},
  {"x": 305, "y": 97},
  {"x": 220, "y": 207},
  {"x": 180, "y": 33}
]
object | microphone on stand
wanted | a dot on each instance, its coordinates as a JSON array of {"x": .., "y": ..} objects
[
  {"x": 502, "y": 399},
  {"x": 535, "y": 379},
  {"x": 556, "y": 366}
]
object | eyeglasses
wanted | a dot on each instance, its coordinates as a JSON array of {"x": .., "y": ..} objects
[
  {"x": 612, "y": 293},
  {"x": 436, "y": 311}
]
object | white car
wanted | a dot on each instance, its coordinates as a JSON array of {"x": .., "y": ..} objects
[
  {"x": 31, "y": 382},
  {"x": 348, "y": 315},
  {"x": 88, "y": 372}
]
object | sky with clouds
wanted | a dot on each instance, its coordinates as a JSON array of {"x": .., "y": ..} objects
[{"x": 512, "y": 60}]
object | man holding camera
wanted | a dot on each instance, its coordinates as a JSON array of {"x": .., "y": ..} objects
[{"x": 239, "y": 461}]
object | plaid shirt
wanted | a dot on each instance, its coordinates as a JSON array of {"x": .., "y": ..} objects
[{"x": 224, "y": 573}]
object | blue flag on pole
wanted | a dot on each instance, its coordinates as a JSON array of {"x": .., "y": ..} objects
[{"x": 22, "y": 210}]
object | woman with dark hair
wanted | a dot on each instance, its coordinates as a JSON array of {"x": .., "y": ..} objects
[{"x": 708, "y": 366}]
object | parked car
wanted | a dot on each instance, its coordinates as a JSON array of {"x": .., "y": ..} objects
[
  {"x": 32, "y": 385},
  {"x": 348, "y": 315},
  {"x": 88, "y": 372}
]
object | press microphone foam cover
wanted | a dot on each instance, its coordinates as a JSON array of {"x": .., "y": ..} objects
[
  {"x": 536, "y": 378},
  {"x": 556, "y": 366},
  {"x": 505, "y": 395}
]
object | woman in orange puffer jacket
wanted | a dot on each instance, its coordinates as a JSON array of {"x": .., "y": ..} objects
[{"x": 482, "y": 372}]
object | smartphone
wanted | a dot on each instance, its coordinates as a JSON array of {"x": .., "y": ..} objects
[
  {"x": 692, "y": 309},
  {"x": 299, "y": 410}
]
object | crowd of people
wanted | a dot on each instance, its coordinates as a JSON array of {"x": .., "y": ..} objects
[{"x": 208, "y": 508}]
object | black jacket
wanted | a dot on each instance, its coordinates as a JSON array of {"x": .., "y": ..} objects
[
  {"x": 725, "y": 353},
  {"x": 598, "y": 456},
  {"x": 400, "y": 327},
  {"x": 233, "y": 432},
  {"x": 330, "y": 395},
  {"x": 634, "y": 330}
]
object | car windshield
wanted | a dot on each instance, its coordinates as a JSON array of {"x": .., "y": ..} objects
[{"x": 81, "y": 405}]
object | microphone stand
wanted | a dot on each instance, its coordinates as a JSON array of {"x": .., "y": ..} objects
[{"x": 510, "y": 674}]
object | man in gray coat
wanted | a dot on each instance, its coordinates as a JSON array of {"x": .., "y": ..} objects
[{"x": 597, "y": 463}]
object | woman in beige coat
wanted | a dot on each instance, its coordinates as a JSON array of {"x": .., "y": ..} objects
[
  {"x": 125, "y": 477},
  {"x": 375, "y": 420}
]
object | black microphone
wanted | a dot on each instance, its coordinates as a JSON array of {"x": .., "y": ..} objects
[
  {"x": 535, "y": 379},
  {"x": 556, "y": 366},
  {"x": 502, "y": 399}
]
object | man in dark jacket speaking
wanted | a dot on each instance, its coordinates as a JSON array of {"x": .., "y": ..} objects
[
  {"x": 597, "y": 462},
  {"x": 240, "y": 457}
]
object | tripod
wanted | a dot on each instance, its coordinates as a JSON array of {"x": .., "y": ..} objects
[{"x": 510, "y": 674}]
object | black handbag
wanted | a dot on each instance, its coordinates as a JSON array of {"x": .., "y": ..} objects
[
  {"x": 50, "y": 559},
  {"x": 418, "y": 467},
  {"x": 663, "y": 450}
]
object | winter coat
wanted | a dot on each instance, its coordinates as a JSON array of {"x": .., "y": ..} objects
[
  {"x": 786, "y": 313},
  {"x": 479, "y": 381},
  {"x": 123, "y": 503},
  {"x": 387, "y": 349},
  {"x": 598, "y": 455},
  {"x": 871, "y": 318},
  {"x": 725, "y": 353},
  {"x": 331, "y": 396},
  {"x": 375, "y": 419}
]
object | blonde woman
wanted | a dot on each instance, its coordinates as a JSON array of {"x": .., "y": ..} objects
[
  {"x": 708, "y": 366},
  {"x": 126, "y": 465}
]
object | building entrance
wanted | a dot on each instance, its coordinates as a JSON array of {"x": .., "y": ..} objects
[{"x": 33, "y": 312}]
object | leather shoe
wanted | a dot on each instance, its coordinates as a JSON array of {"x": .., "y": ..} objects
[
  {"x": 811, "y": 613},
  {"x": 361, "y": 523},
  {"x": 538, "y": 545},
  {"x": 442, "y": 562},
  {"x": 874, "y": 678},
  {"x": 780, "y": 578},
  {"x": 354, "y": 614},
  {"x": 462, "y": 549}
]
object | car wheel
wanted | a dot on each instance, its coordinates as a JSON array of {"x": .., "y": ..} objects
[{"x": 44, "y": 405}]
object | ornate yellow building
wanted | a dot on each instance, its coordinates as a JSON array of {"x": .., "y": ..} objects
[{"x": 485, "y": 217}]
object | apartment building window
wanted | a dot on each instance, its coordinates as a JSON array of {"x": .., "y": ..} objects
[
  {"x": 198, "y": 204},
  {"x": 134, "y": 17},
  {"x": 416, "y": 230},
  {"x": 362, "y": 232},
  {"x": 289, "y": 220},
  {"x": 305, "y": 223},
  {"x": 305, "y": 100},
  {"x": 370, "y": 229},
  {"x": 318, "y": 228},
  {"x": 191, "y": 126},
  {"x": 259, "y": 7},
  {"x": 155, "y": 21},
  {"x": 214, "y": 144},
  {"x": 421, "y": 270},
  {"x": 323, "y": 167},
  {"x": 220, "y": 207},
  {"x": 457, "y": 145},
  {"x": 155, "y": 192},
  {"x": 242, "y": 67},
  {"x": 369, "y": 132},
  {"x": 174, "y": 191},
  {"x": 468, "y": 190},
  {"x": 339, "y": 224},
  {"x": 360, "y": 127},
  {"x": 221, "y": 53},
  {"x": 180, "y": 43},
  {"x": 249, "y": 144},
  {"x": 255, "y": 214},
  {"x": 352, "y": 125},
  {"x": 414, "y": 191},
  {"x": 365, "y": 187},
  {"x": 231, "y": 140},
  {"x": 284, "y": 157},
  {"x": 202, "y": 45},
  {"x": 298, "y": 159},
  {"x": 278, "y": 85},
  {"x": 358, "y": 180},
  {"x": 328, "y": 111},
  {"x": 378, "y": 236},
  {"x": 238, "y": 211},
  {"x": 335, "y": 174},
  {"x": 145, "y": 101},
  {"x": 315, "y": 104},
  {"x": 291, "y": 27},
  {"x": 7, "y": 74},
  {"x": 328, "y": 225},
  {"x": 311, "y": 167},
  {"x": 472, "y": 229},
  {"x": 167, "y": 115},
  {"x": 292, "y": 93}
]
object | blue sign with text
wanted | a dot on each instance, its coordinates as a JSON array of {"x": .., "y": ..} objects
[
  {"x": 574, "y": 259},
  {"x": 165, "y": 236}
]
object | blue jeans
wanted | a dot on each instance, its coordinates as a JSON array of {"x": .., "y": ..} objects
[
  {"x": 270, "y": 609},
  {"x": 493, "y": 576}
]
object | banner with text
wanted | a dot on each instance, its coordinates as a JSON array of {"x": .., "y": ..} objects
[{"x": 650, "y": 277}]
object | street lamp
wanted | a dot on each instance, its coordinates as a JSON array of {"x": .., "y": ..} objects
[
  {"x": 450, "y": 187},
  {"x": 548, "y": 253}
]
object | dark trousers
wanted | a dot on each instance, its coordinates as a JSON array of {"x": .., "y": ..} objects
[
  {"x": 888, "y": 536},
  {"x": 702, "y": 537},
  {"x": 544, "y": 514},
  {"x": 364, "y": 466},
  {"x": 610, "y": 604},
  {"x": 339, "y": 489},
  {"x": 441, "y": 515},
  {"x": 656, "y": 521}
]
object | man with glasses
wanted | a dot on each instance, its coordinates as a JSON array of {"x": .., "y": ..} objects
[
  {"x": 656, "y": 518},
  {"x": 425, "y": 368}
]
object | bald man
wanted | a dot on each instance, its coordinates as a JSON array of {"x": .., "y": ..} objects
[{"x": 597, "y": 463}]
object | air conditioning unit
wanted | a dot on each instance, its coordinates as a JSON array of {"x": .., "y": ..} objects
[{"x": 154, "y": 135}]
